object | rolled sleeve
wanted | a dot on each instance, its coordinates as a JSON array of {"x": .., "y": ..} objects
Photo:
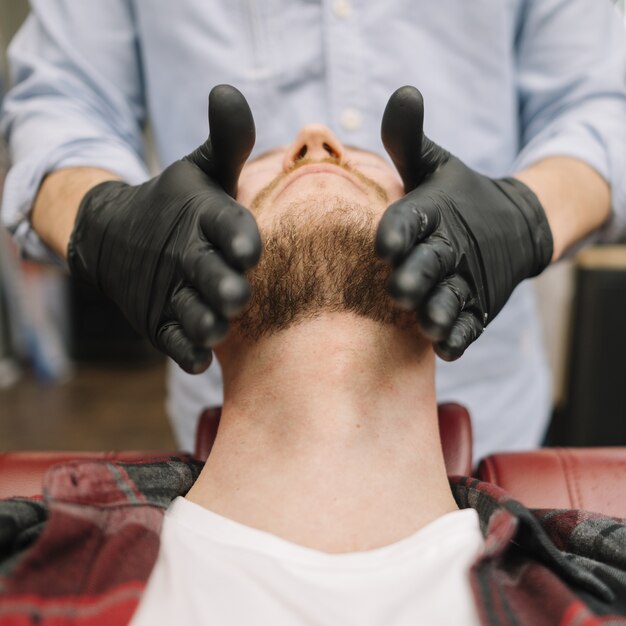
[
  {"x": 571, "y": 79},
  {"x": 24, "y": 179},
  {"x": 77, "y": 102}
]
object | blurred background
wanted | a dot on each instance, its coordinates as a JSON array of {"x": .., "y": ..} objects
[{"x": 74, "y": 376}]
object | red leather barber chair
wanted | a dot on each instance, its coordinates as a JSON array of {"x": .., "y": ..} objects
[{"x": 592, "y": 479}]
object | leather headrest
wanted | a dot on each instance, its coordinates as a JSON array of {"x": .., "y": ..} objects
[{"x": 593, "y": 479}]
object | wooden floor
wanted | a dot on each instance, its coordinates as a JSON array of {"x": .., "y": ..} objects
[{"x": 100, "y": 408}]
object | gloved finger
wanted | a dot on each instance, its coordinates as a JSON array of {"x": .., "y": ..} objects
[
  {"x": 425, "y": 267},
  {"x": 201, "y": 324},
  {"x": 233, "y": 230},
  {"x": 402, "y": 131},
  {"x": 172, "y": 340},
  {"x": 406, "y": 222},
  {"x": 464, "y": 332},
  {"x": 231, "y": 139},
  {"x": 226, "y": 291},
  {"x": 442, "y": 308}
]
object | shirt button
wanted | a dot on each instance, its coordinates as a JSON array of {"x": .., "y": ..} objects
[
  {"x": 342, "y": 8},
  {"x": 351, "y": 119}
]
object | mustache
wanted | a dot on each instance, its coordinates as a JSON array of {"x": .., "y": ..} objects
[{"x": 267, "y": 191}]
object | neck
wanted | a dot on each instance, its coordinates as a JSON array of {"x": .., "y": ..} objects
[{"x": 328, "y": 436}]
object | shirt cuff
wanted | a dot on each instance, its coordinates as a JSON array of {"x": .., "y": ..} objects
[
  {"x": 24, "y": 179},
  {"x": 580, "y": 143}
]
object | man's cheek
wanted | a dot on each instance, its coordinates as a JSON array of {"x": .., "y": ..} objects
[{"x": 250, "y": 184}]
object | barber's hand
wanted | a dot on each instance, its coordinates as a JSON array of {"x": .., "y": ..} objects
[
  {"x": 460, "y": 242},
  {"x": 172, "y": 252}
]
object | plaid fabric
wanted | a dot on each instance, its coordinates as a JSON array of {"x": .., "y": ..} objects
[{"x": 83, "y": 555}]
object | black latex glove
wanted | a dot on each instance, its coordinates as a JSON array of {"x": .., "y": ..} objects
[
  {"x": 460, "y": 242},
  {"x": 172, "y": 252}
]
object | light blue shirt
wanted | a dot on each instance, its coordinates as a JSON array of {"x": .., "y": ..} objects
[{"x": 506, "y": 83}]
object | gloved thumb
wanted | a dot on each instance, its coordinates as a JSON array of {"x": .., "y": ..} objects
[
  {"x": 231, "y": 139},
  {"x": 402, "y": 130}
]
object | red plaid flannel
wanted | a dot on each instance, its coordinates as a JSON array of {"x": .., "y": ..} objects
[{"x": 84, "y": 553}]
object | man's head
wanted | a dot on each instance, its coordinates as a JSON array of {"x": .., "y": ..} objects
[
  {"x": 317, "y": 203},
  {"x": 329, "y": 408}
]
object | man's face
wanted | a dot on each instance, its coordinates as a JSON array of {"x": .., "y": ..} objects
[
  {"x": 316, "y": 169},
  {"x": 317, "y": 204}
]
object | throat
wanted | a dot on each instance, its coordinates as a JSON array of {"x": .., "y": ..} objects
[
  {"x": 331, "y": 481},
  {"x": 329, "y": 439}
]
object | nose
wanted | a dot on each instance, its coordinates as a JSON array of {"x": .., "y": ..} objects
[{"x": 314, "y": 142}]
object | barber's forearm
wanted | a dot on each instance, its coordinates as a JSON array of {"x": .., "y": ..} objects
[
  {"x": 576, "y": 199},
  {"x": 57, "y": 202}
]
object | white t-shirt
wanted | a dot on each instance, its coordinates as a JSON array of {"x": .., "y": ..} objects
[{"x": 213, "y": 570}]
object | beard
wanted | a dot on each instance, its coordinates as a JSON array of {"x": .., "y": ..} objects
[{"x": 318, "y": 260}]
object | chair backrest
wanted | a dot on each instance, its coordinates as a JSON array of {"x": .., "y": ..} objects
[
  {"x": 455, "y": 429},
  {"x": 593, "y": 479},
  {"x": 581, "y": 478}
]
